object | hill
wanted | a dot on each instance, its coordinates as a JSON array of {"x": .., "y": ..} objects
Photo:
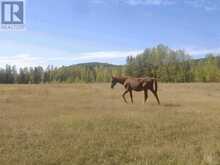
[{"x": 96, "y": 64}]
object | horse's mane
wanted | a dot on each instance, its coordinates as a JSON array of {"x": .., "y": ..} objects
[{"x": 120, "y": 79}]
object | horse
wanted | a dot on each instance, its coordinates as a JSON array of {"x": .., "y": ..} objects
[{"x": 137, "y": 84}]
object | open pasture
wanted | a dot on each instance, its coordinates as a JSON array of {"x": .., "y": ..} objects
[{"x": 89, "y": 124}]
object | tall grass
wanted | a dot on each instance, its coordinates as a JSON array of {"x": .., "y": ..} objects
[{"x": 88, "y": 124}]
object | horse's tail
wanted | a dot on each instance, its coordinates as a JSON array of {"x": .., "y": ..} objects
[{"x": 155, "y": 85}]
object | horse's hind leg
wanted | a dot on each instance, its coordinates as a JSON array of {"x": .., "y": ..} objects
[
  {"x": 145, "y": 95},
  {"x": 123, "y": 95},
  {"x": 156, "y": 95},
  {"x": 131, "y": 95}
]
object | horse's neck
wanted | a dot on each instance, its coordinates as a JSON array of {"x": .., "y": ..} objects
[{"x": 121, "y": 80}]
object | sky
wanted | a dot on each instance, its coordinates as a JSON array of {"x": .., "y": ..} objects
[{"x": 67, "y": 32}]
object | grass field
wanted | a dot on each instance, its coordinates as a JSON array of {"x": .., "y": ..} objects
[{"x": 88, "y": 124}]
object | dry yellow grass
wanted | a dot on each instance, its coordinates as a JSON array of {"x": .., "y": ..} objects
[{"x": 88, "y": 124}]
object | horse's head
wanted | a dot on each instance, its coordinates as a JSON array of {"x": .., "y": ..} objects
[{"x": 114, "y": 82}]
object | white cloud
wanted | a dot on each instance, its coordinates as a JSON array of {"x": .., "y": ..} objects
[
  {"x": 207, "y": 5},
  {"x": 107, "y": 55},
  {"x": 150, "y": 2},
  {"x": 197, "y": 53},
  {"x": 23, "y": 55},
  {"x": 97, "y": 1},
  {"x": 26, "y": 60},
  {"x": 22, "y": 60},
  {"x": 135, "y": 2}
]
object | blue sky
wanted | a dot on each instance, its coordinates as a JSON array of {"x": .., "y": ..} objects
[{"x": 75, "y": 31}]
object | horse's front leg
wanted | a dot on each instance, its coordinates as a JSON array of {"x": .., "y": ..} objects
[{"x": 123, "y": 95}]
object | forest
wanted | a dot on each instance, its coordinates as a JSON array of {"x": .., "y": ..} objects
[{"x": 166, "y": 64}]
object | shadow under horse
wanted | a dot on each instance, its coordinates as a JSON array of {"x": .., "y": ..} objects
[{"x": 137, "y": 84}]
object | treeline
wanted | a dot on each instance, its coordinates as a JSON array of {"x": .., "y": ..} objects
[
  {"x": 162, "y": 62},
  {"x": 91, "y": 72},
  {"x": 174, "y": 66}
]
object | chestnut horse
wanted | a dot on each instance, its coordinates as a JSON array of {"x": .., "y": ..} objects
[{"x": 137, "y": 84}]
